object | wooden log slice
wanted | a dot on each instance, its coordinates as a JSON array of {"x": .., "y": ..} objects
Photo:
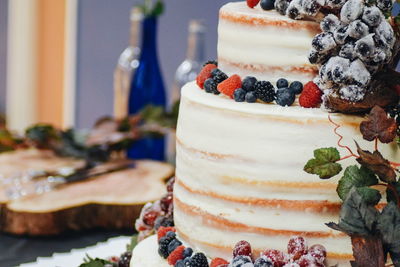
[{"x": 111, "y": 201}]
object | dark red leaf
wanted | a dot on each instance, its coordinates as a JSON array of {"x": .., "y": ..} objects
[{"x": 379, "y": 125}]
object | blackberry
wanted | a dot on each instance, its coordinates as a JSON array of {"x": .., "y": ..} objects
[
  {"x": 365, "y": 47},
  {"x": 267, "y": 4},
  {"x": 265, "y": 91},
  {"x": 358, "y": 29},
  {"x": 384, "y": 5},
  {"x": 218, "y": 76},
  {"x": 187, "y": 252},
  {"x": 173, "y": 245},
  {"x": 250, "y": 97},
  {"x": 198, "y": 260},
  {"x": 211, "y": 62},
  {"x": 281, "y": 6},
  {"x": 351, "y": 10},
  {"x": 296, "y": 87},
  {"x": 263, "y": 262},
  {"x": 323, "y": 42},
  {"x": 163, "y": 246},
  {"x": 240, "y": 260},
  {"x": 340, "y": 34},
  {"x": 281, "y": 83},
  {"x": 166, "y": 221},
  {"x": 125, "y": 259},
  {"x": 310, "y": 7},
  {"x": 293, "y": 11},
  {"x": 248, "y": 83},
  {"x": 352, "y": 93},
  {"x": 348, "y": 51},
  {"x": 329, "y": 23},
  {"x": 316, "y": 57},
  {"x": 210, "y": 86},
  {"x": 239, "y": 95},
  {"x": 285, "y": 97},
  {"x": 372, "y": 16}
]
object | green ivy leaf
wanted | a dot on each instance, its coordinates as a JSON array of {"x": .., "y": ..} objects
[
  {"x": 371, "y": 196},
  {"x": 389, "y": 227},
  {"x": 357, "y": 177},
  {"x": 324, "y": 163},
  {"x": 158, "y": 9},
  {"x": 356, "y": 216}
]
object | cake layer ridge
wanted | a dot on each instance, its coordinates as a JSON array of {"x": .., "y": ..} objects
[
  {"x": 264, "y": 44},
  {"x": 240, "y": 174}
]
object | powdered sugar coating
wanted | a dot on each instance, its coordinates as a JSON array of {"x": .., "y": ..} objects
[
  {"x": 359, "y": 73},
  {"x": 330, "y": 23},
  {"x": 358, "y": 29},
  {"x": 353, "y": 93},
  {"x": 372, "y": 16},
  {"x": 351, "y": 11}
]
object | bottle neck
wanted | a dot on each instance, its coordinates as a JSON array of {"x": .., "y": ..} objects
[
  {"x": 196, "y": 46},
  {"x": 149, "y": 34}
]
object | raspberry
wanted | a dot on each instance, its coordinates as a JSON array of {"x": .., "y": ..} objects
[
  {"x": 162, "y": 231},
  {"x": 252, "y": 3},
  {"x": 218, "y": 262},
  {"x": 297, "y": 247},
  {"x": 308, "y": 261},
  {"x": 318, "y": 252},
  {"x": 229, "y": 86},
  {"x": 277, "y": 257},
  {"x": 176, "y": 255},
  {"x": 311, "y": 96},
  {"x": 242, "y": 248},
  {"x": 204, "y": 74}
]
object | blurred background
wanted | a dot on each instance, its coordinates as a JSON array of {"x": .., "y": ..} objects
[{"x": 57, "y": 57}]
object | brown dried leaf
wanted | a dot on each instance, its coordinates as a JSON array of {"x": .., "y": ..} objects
[
  {"x": 378, "y": 125},
  {"x": 377, "y": 163}
]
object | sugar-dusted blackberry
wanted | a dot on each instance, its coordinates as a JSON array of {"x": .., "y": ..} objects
[
  {"x": 210, "y": 85},
  {"x": 240, "y": 261},
  {"x": 285, "y": 97},
  {"x": 296, "y": 87},
  {"x": 166, "y": 221},
  {"x": 372, "y": 16},
  {"x": 293, "y": 11},
  {"x": 385, "y": 32},
  {"x": 281, "y": 6},
  {"x": 187, "y": 252},
  {"x": 351, "y": 10},
  {"x": 173, "y": 245},
  {"x": 316, "y": 57},
  {"x": 248, "y": 83},
  {"x": 329, "y": 23},
  {"x": 281, "y": 83},
  {"x": 310, "y": 7},
  {"x": 352, "y": 93},
  {"x": 340, "y": 34},
  {"x": 163, "y": 246},
  {"x": 348, "y": 51},
  {"x": 239, "y": 95},
  {"x": 211, "y": 62},
  {"x": 338, "y": 67},
  {"x": 359, "y": 73},
  {"x": 323, "y": 42},
  {"x": 365, "y": 47},
  {"x": 358, "y": 29},
  {"x": 384, "y": 5},
  {"x": 198, "y": 260},
  {"x": 265, "y": 91},
  {"x": 125, "y": 259},
  {"x": 263, "y": 261},
  {"x": 267, "y": 4},
  {"x": 334, "y": 3},
  {"x": 218, "y": 76},
  {"x": 251, "y": 97}
]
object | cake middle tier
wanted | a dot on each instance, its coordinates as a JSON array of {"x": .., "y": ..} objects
[
  {"x": 240, "y": 175},
  {"x": 264, "y": 44}
]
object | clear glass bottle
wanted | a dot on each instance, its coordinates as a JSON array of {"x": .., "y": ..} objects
[{"x": 127, "y": 64}]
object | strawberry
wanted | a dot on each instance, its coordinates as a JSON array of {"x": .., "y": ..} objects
[
  {"x": 252, "y": 3},
  {"x": 162, "y": 231},
  {"x": 229, "y": 86},
  {"x": 218, "y": 262},
  {"x": 176, "y": 255},
  {"x": 311, "y": 96},
  {"x": 204, "y": 74}
]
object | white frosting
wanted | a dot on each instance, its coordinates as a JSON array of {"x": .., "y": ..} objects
[{"x": 145, "y": 254}]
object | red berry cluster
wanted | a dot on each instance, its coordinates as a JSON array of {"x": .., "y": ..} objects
[{"x": 159, "y": 213}]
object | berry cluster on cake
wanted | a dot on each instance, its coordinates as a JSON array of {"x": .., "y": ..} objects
[{"x": 248, "y": 122}]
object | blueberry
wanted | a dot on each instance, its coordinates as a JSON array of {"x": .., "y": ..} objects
[
  {"x": 210, "y": 85},
  {"x": 250, "y": 97},
  {"x": 240, "y": 261},
  {"x": 296, "y": 87},
  {"x": 263, "y": 262},
  {"x": 281, "y": 83},
  {"x": 173, "y": 245},
  {"x": 171, "y": 234},
  {"x": 239, "y": 95},
  {"x": 248, "y": 83},
  {"x": 187, "y": 252},
  {"x": 267, "y": 4},
  {"x": 179, "y": 263},
  {"x": 285, "y": 97}
]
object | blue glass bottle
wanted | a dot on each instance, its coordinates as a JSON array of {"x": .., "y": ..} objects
[{"x": 147, "y": 87}]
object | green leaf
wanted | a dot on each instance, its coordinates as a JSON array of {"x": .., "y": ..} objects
[
  {"x": 389, "y": 227},
  {"x": 390, "y": 194},
  {"x": 133, "y": 243},
  {"x": 158, "y": 9},
  {"x": 324, "y": 163},
  {"x": 356, "y": 216},
  {"x": 90, "y": 262},
  {"x": 357, "y": 177},
  {"x": 370, "y": 196}
]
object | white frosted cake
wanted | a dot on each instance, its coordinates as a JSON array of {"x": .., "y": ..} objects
[{"x": 239, "y": 166}]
